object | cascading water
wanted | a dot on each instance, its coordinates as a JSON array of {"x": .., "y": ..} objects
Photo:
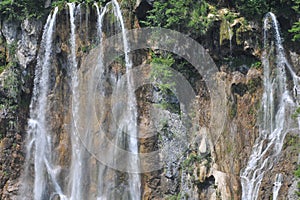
[
  {"x": 99, "y": 25},
  {"x": 277, "y": 185},
  {"x": 128, "y": 123},
  {"x": 76, "y": 172},
  {"x": 83, "y": 177},
  {"x": 39, "y": 139},
  {"x": 278, "y": 105}
]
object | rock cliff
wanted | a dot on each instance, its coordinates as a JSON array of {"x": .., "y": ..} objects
[{"x": 210, "y": 167}]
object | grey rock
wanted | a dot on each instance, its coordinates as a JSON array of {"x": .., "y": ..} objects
[
  {"x": 28, "y": 44},
  {"x": 10, "y": 31}
]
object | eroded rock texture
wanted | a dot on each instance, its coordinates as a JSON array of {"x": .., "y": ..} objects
[{"x": 208, "y": 168}]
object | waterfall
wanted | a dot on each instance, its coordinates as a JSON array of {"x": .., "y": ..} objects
[
  {"x": 78, "y": 13},
  {"x": 278, "y": 105},
  {"x": 82, "y": 176},
  {"x": 76, "y": 172},
  {"x": 99, "y": 24},
  {"x": 39, "y": 140},
  {"x": 277, "y": 185},
  {"x": 129, "y": 122}
]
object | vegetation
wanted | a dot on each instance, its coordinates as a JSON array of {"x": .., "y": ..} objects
[
  {"x": 295, "y": 30},
  {"x": 21, "y": 9},
  {"x": 175, "y": 197},
  {"x": 11, "y": 82},
  {"x": 252, "y": 8},
  {"x": 189, "y": 16},
  {"x": 297, "y": 174},
  {"x": 161, "y": 74},
  {"x": 12, "y": 91},
  {"x": 296, "y": 113},
  {"x": 256, "y": 65},
  {"x": 191, "y": 159},
  {"x": 61, "y": 3},
  {"x": 2, "y": 68}
]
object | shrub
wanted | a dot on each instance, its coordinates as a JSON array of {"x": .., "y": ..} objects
[
  {"x": 189, "y": 16},
  {"x": 252, "y": 8},
  {"x": 295, "y": 30},
  {"x": 21, "y": 9}
]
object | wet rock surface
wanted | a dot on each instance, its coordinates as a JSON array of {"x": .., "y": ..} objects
[{"x": 207, "y": 169}]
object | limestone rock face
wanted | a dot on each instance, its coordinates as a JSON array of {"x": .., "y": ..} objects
[
  {"x": 10, "y": 31},
  {"x": 208, "y": 167},
  {"x": 28, "y": 43},
  {"x": 21, "y": 42}
]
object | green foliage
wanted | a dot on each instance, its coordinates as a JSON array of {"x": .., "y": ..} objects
[
  {"x": 12, "y": 48},
  {"x": 181, "y": 15},
  {"x": 292, "y": 143},
  {"x": 255, "y": 9},
  {"x": 253, "y": 84},
  {"x": 252, "y": 8},
  {"x": 161, "y": 72},
  {"x": 21, "y": 9},
  {"x": 226, "y": 32},
  {"x": 192, "y": 158},
  {"x": 232, "y": 111},
  {"x": 256, "y": 65},
  {"x": 174, "y": 197},
  {"x": 297, "y": 174},
  {"x": 11, "y": 83},
  {"x": 2, "y": 68},
  {"x": 296, "y": 113},
  {"x": 295, "y": 30},
  {"x": 62, "y": 3},
  {"x": 161, "y": 75},
  {"x": 11, "y": 89}
]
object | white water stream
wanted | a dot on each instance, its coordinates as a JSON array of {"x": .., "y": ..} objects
[
  {"x": 85, "y": 178},
  {"x": 278, "y": 105},
  {"x": 39, "y": 146}
]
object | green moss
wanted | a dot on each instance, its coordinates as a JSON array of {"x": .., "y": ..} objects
[
  {"x": 174, "y": 197},
  {"x": 229, "y": 147},
  {"x": 192, "y": 158},
  {"x": 231, "y": 21},
  {"x": 233, "y": 111},
  {"x": 12, "y": 48},
  {"x": 256, "y": 65},
  {"x": 227, "y": 17},
  {"x": 253, "y": 84},
  {"x": 292, "y": 141},
  {"x": 2, "y": 68},
  {"x": 226, "y": 32},
  {"x": 297, "y": 174},
  {"x": 296, "y": 113}
]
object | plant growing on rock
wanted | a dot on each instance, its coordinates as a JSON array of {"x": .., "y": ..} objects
[
  {"x": 182, "y": 15},
  {"x": 21, "y": 9},
  {"x": 297, "y": 174},
  {"x": 295, "y": 30}
]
